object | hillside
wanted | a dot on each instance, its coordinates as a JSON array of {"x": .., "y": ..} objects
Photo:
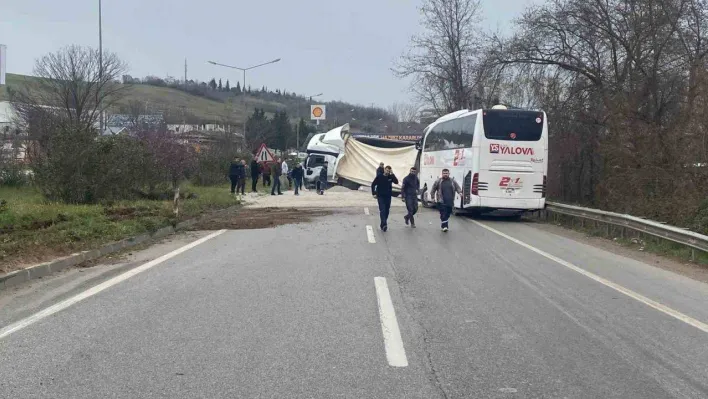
[{"x": 227, "y": 107}]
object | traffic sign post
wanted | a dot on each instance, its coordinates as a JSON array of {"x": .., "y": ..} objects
[{"x": 264, "y": 155}]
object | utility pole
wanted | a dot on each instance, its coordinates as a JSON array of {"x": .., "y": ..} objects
[
  {"x": 100, "y": 64},
  {"x": 185, "y": 72}
]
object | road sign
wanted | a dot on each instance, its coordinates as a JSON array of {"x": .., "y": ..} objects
[
  {"x": 318, "y": 112},
  {"x": 264, "y": 155}
]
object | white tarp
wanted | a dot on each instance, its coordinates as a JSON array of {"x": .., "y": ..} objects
[{"x": 361, "y": 160}]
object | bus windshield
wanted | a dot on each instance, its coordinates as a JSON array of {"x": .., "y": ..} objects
[{"x": 513, "y": 125}]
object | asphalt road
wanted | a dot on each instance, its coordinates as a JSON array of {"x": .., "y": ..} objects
[{"x": 293, "y": 312}]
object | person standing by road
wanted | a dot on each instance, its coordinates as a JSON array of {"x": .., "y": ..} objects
[
  {"x": 241, "y": 187},
  {"x": 380, "y": 169},
  {"x": 444, "y": 190},
  {"x": 255, "y": 172},
  {"x": 234, "y": 173},
  {"x": 409, "y": 191},
  {"x": 382, "y": 190},
  {"x": 276, "y": 170},
  {"x": 323, "y": 179},
  {"x": 286, "y": 172},
  {"x": 265, "y": 171},
  {"x": 297, "y": 174}
]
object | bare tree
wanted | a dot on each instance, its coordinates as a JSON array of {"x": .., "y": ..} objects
[
  {"x": 73, "y": 86},
  {"x": 441, "y": 61},
  {"x": 404, "y": 112}
]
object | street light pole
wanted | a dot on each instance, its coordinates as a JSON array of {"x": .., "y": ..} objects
[
  {"x": 245, "y": 111},
  {"x": 298, "y": 123},
  {"x": 100, "y": 64}
]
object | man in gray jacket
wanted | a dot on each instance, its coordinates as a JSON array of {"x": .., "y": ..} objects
[{"x": 444, "y": 190}]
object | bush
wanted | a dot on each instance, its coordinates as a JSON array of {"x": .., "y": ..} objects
[
  {"x": 14, "y": 175},
  {"x": 79, "y": 167}
]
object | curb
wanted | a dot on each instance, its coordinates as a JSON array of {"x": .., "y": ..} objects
[{"x": 44, "y": 269}]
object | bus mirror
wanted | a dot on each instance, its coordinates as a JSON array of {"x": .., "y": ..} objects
[{"x": 418, "y": 145}]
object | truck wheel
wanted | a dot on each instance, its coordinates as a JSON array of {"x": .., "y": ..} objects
[{"x": 423, "y": 201}]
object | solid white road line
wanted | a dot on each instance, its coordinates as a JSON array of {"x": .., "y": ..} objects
[
  {"x": 395, "y": 353},
  {"x": 4, "y": 332},
  {"x": 366, "y": 211},
  {"x": 370, "y": 234},
  {"x": 626, "y": 291}
]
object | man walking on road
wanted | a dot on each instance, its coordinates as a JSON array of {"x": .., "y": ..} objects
[
  {"x": 444, "y": 191},
  {"x": 381, "y": 189},
  {"x": 298, "y": 174},
  {"x": 255, "y": 172},
  {"x": 276, "y": 171},
  {"x": 409, "y": 191}
]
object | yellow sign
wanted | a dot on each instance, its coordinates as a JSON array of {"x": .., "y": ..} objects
[{"x": 318, "y": 112}]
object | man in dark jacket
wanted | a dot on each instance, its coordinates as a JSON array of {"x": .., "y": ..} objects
[
  {"x": 276, "y": 170},
  {"x": 380, "y": 169},
  {"x": 241, "y": 186},
  {"x": 381, "y": 189},
  {"x": 255, "y": 172},
  {"x": 297, "y": 174},
  {"x": 444, "y": 191},
  {"x": 234, "y": 174},
  {"x": 409, "y": 191},
  {"x": 323, "y": 179}
]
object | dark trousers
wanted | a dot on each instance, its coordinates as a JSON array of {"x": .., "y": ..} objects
[
  {"x": 290, "y": 182},
  {"x": 254, "y": 185},
  {"x": 384, "y": 208},
  {"x": 241, "y": 184},
  {"x": 298, "y": 184},
  {"x": 276, "y": 185},
  {"x": 234, "y": 183},
  {"x": 322, "y": 186},
  {"x": 266, "y": 180},
  {"x": 412, "y": 207},
  {"x": 445, "y": 212}
]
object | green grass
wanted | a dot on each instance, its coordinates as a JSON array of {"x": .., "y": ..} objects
[
  {"x": 173, "y": 100},
  {"x": 33, "y": 230}
]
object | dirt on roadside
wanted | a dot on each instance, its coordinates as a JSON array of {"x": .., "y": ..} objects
[{"x": 257, "y": 218}]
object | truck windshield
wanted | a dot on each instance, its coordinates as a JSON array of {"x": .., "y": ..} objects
[{"x": 513, "y": 125}]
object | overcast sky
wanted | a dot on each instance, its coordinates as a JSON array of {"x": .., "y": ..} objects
[{"x": 343, "y": 48}]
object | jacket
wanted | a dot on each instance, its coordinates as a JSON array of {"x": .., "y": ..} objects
[
  {"x": 323, "y": 174},
  {"x": 379, "y": 171},
  {"x": 276, "y": 170},
  {"x": 382, "y": 186},
  {"x": 410, "y": 186},
  {"x": 297, "y": 172},
  {"x": 255, "y": 168},
  {"x": 444, "y": 191},
  {"x": 237, "y": 170},
  {"x": 284, "y": 168}
]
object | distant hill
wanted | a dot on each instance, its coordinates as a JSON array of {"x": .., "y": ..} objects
[{"x": 227, "y": 107}]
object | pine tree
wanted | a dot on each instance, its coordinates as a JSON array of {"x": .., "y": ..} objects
[
  {"x": 238, "y": 87},
  {"x": 221, "y": 88},
  {"x": 228, "y": 85},
  {"x": 212, "y": 84}
]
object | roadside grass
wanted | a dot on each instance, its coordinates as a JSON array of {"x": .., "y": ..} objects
[
  {"x": 33, "y": 230},
  {"x": 635, "y": 240}
]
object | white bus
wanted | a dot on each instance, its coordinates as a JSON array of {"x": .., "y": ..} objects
[{"x": 499, "y": 156}]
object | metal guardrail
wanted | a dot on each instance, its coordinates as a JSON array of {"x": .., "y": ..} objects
[{"x": 656, "y": 229}]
